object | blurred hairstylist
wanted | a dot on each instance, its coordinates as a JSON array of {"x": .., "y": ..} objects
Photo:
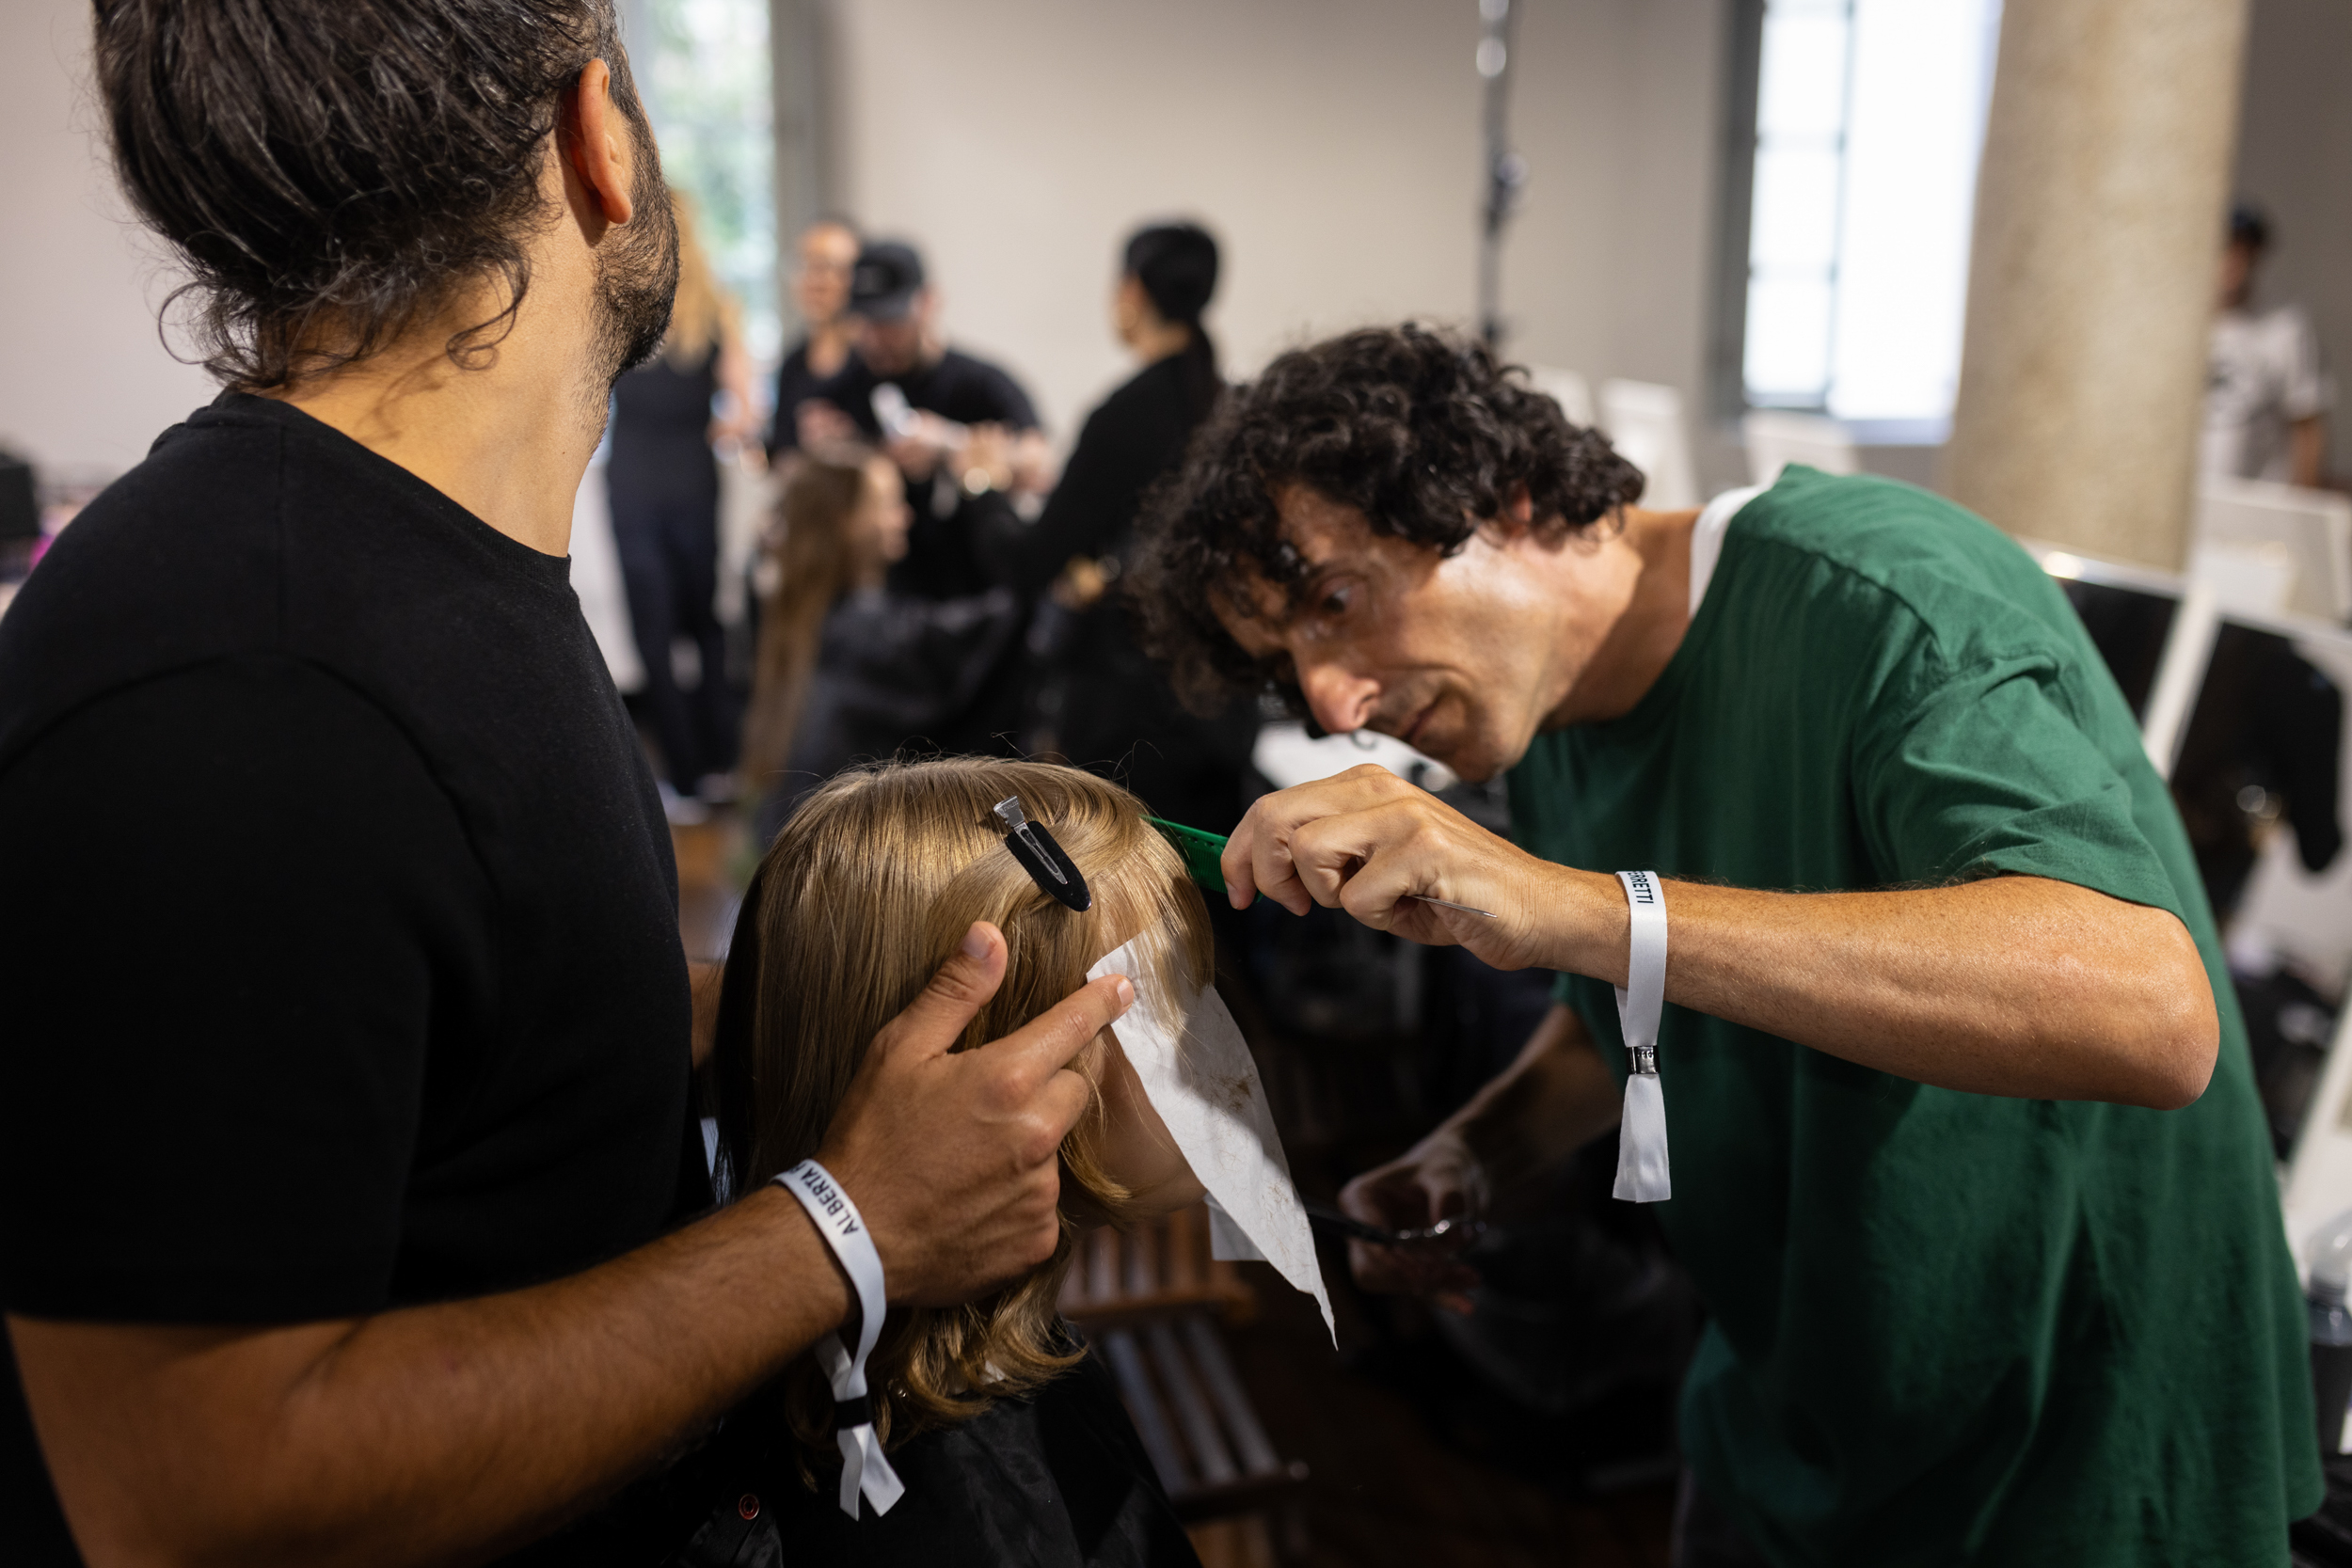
[
  {"x": 1104, "y": 704},
  {"x": 821, "y": 294},
  {"x": 1968, "y": 1161},
  {"x": 344, "y": 1145}
]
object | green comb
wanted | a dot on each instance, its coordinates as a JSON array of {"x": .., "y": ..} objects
[{"x": 1201, "y": 850}]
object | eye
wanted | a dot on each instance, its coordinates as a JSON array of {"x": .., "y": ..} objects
[{"x": 1334, "y": 600}]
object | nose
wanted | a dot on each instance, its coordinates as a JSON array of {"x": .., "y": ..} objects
[{"x": 1340, "y": 699}]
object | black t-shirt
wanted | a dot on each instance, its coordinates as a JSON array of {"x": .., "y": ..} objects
[
  {"x": 338, "y": 936},
  {"x": 796, "y": 384},
  {"x": 660, "y": 434},
  {"x": 942, "y": 561},
  {"x": 1112, "y": 708}
]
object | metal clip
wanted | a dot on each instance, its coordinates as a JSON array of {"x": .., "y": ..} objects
[{"x": 1041, "y": 857}]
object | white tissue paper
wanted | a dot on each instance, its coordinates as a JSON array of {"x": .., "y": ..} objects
[
  {"x": 1203, "y": 1081},
  {"x": 1643, "y": 1175}
]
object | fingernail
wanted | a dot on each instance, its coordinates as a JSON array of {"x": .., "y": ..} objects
[
  {"x": 974, "y": 945},
  {"x": 1126, "y": 994}
]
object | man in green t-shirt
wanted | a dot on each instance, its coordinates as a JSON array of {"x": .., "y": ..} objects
[{"x": 1967, "y": 1160}]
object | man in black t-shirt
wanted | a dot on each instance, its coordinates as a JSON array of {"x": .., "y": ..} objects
[
  {"x": 958, "y": 427},
  {"x": 820, "y": 291},
  {"x": 347, "y": 1174}
]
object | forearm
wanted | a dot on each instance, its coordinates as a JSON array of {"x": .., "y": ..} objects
[
  {"x": 2307, "y": 440},
  {"x": 433, "y": 1433},
  {"x": 2013, "y": 986},
  {"x": 1556, "y": 1098}
]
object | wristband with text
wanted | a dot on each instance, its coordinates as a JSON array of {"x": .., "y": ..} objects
[
  {"x": 864, "y": 1468},
  {"x": 1642, "y": 1173}
]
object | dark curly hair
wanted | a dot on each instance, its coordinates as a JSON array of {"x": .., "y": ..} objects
[
  {"x": 341, "y": 168},
  {"x": 1421, "y": 431}
]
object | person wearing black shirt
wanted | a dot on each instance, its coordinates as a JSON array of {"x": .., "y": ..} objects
[
  {"x": 663, "y": 478},
  {"x": 1102, "y": 704},
  {"x": 821, "y": 289},
  {"x": 937, "y": 398},
  {"x": 345, "y": 1160}
]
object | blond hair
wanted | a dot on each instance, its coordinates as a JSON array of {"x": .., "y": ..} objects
[
  {"x": 702, "y": 312},
  {"x": 811, "y": 544},
  {"x": 867, "y": 891}
]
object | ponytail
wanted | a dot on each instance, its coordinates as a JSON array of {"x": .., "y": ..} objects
[{"x": 1177, "y": 265}]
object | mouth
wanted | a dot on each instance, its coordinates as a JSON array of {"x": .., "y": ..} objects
[{"x": 1411, "y": 735}]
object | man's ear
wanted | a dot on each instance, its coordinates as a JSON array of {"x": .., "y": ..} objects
[
  {"x": 600, "y": 147},
  {"x": 1515, "y": 520}
]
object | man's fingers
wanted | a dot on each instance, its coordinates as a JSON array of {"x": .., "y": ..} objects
[
  {"x": 936, "y": 1020},
  {"x": 1281, "y": 847},
  {"x": 1062, "y": 1101},
  {"x": 1391, "y": 1197},
  {"x": 1043, "y": 1046},
  {"x": 1241, "y": 882}
]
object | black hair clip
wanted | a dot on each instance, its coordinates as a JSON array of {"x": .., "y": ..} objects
[{"x": 1048, "y": 864}]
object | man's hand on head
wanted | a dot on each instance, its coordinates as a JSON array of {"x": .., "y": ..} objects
[
  {"x": 1369, "y": 843},
  {"x": 952, "y": 1156}
]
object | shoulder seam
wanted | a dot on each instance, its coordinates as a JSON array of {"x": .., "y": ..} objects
[{"x": 1879, "y": 585}]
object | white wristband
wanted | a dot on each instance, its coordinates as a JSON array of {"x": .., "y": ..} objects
[
  {"x": 1643, "y": 1175},
  {"x": 863, "y": 1466}
]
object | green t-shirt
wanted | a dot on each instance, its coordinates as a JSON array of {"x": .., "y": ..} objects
[{"x": 1944, "y": 1327}]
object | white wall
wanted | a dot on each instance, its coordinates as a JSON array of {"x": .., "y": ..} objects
[
  {"x": 2295, "y": 159},
  {"x": 1332, "y": 144},
  {"x": 85, "y": 384}
]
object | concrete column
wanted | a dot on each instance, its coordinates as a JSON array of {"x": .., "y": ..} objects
[
  {"x": 801, "y": 51},
  {"x": 2100, "y": 209}
]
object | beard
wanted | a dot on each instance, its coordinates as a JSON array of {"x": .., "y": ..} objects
[{"x": 637, "y": 271}]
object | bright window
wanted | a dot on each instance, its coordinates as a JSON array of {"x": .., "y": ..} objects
[
  {"x": 1868, "y": 118},
  {"x": 704, "y": 69}
]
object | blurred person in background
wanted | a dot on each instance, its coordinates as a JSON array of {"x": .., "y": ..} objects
[
  {"x": 663, "y": 479},
  {"x": 339, "y": 895},
  {"x": 820, "y": 289},
  {"x": 958, "y": 428},
  {"x": 2266, "y": 396},
  {"x": 848, "y": 670},
  {"x": 1100, "y": 701}
]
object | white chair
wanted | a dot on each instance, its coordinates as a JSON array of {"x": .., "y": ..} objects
[
  {"x": 1288, "y": 759},
  {"x": 1645, "y": 423},
  {"x": 2312, "y": 526},
  {"x": 1776, "y": 439},
  {"x": 1571, "y": 392}
]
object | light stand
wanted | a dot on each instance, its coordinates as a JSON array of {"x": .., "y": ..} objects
[{"x": 1506, "y": 171}]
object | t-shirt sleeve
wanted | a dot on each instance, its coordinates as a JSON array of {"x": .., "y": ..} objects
[
  {"x": 237, "y": 906},
  {"x": 1981, "y": 771}
]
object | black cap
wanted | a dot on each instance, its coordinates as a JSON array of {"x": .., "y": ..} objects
[{"x": 885, "y": 281}]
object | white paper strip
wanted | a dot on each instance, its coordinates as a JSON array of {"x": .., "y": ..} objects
[{"x": 1203, "y": 1081}]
